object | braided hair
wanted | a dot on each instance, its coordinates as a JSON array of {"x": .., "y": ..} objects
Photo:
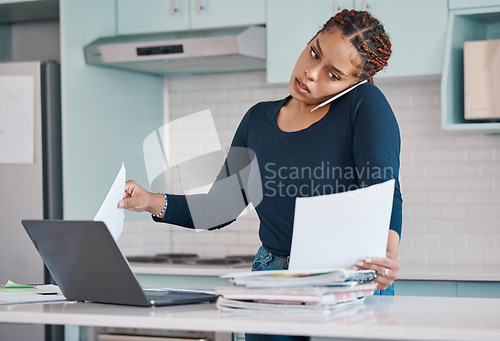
[{"x": 367, "y": 35}]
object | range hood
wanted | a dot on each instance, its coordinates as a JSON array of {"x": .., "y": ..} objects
[{"x": 177, "y": 53}]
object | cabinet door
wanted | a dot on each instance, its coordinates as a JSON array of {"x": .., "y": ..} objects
[
  {"x": 146, "y": 16},
  {"x": 290, "y": 26},
  {"x": 417, "y": 30},
  {"x": 454, "y": 4},
  {"x": 226, "y": 13}
]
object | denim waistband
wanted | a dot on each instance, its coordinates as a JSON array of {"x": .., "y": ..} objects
[{"x": 273, "y": 254}]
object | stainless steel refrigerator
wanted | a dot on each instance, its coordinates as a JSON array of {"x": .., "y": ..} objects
[{"x": 30, "y": 174}]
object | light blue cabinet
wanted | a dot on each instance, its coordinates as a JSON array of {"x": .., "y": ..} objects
[
  {"x": 149, "y": 16},
  {"x": 290, "y": 26},
  {"x": 417, "y": 30},
  {"x": 478, "y": 289},
  {"x": 482, "y": 23},
  {"x": 402, "y": 287},
  {"x": 227, "y": 13},
  {"x": 146, "y": 16},
  {"x": 455, "y": 4},
  {"x": 447, "y": 288},
  {"x": 425, "y": 288}
]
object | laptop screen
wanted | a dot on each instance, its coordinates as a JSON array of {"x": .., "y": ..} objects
[{"x": 85, "y": 261}]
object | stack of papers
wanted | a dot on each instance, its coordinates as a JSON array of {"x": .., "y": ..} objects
[
  {"x": 320, "y": 292},
  {"x": 288, "y": 278}
]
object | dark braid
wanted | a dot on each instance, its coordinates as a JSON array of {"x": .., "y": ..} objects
[{"x": 367, "y": 35}]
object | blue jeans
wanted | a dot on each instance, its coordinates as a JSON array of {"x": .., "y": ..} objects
[
  {"x": 265, "y": 260},
  {"x": 386, "y": 292}
]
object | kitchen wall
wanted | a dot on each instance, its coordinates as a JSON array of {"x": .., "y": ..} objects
[{"x": 450, "y": 179}]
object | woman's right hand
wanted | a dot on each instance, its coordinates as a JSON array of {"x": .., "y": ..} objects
[{"x": 137, "y": 199}]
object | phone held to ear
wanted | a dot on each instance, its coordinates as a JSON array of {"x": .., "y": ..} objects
[{"x": 338, "y": 95}]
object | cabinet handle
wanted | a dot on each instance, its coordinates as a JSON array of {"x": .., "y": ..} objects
[
  {"x": 172, "y": 8},
  {"x": 335, "y": 7},
  {"x": 199, "y": 7}
]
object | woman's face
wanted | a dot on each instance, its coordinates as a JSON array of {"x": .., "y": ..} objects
[{"x": 326, "y": 67}]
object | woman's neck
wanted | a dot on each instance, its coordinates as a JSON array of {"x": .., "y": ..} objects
[{"x": 296, "y": 115}]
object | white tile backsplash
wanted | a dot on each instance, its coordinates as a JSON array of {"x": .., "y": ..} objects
[{"x": 450, "y": 179}]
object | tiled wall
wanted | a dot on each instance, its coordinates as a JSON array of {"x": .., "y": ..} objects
[{"x": 450, "y": 179}]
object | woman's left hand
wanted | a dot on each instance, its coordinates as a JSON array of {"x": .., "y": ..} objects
[{"x": 386, "y": 267}]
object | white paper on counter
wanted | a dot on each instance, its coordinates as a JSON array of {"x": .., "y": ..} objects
[
  {"x": 17, "y": 119},
  {"x": 336, "y": 230},
  {"x": 109, "y": 212}
]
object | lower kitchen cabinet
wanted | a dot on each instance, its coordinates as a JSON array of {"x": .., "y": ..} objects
[
  {"x": 447, "y": 289},
  {"x": 478, "y": 289},
  {"x": 402, "y": 287},
  {"x": 425, "y": 288}
]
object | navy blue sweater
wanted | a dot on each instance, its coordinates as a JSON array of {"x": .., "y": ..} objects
[{"x": 356, "y": 144}]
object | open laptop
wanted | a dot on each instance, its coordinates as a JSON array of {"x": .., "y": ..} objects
[{"x": 87, "y": 265}]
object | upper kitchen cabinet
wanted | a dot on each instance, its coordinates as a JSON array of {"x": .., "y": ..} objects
[
  {"x": 290, "y": 26},
  {"x": 455, "y": 4},
  {"x": 468, "y": 24},
  {"x": 227, "y": 13},
  {"x": 16, "y": 11},
  {"x": 148, "y": 16},
  {"x": 417, "y": 30}
]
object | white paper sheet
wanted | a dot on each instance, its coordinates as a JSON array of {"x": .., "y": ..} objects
[
  {"x": 109, "y": 212},
  {"x": 336, "y": 230},
  {"x": 17, "y": 119}
]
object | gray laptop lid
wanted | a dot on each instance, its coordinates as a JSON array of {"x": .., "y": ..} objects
[{"x": 87, "y": 264}]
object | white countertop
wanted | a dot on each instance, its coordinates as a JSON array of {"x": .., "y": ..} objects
[
  {"x": 469, "y": 272},
  {"x": 381, "y": 317}
]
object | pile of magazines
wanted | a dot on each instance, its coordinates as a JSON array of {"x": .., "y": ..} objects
[{"x": 321, "y": 292}]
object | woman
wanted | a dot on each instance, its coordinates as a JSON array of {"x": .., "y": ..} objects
[{"x": 353, "y": 138}]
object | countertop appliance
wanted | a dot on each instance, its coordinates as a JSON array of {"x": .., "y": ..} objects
[
  {"x": 482, "y": 80},
  {"x": 30, "y": 169},
  {"x": 187, "y": 52}
]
